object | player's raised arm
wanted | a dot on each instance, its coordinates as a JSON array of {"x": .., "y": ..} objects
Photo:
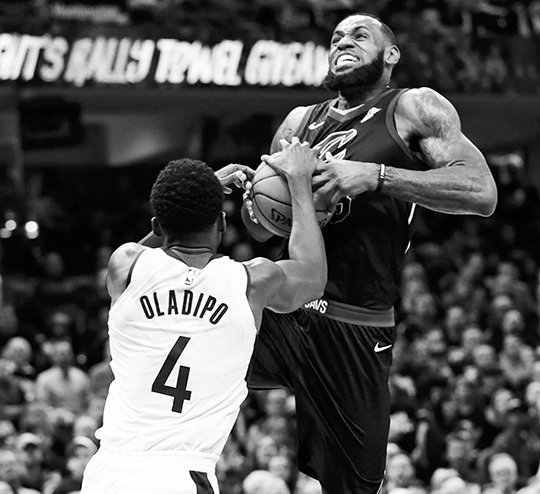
[
  {"x": 284, "y": 286},
  {"x": 458, "y": 180}
]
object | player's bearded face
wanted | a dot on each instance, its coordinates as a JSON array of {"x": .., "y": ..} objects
[{"x": 364, "y": 75}]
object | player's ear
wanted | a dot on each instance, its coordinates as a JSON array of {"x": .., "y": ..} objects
[
  {"x": 392, "y": 55},
  {"x": 156, "y": 227},
  {"x": 222, "y": 222}
]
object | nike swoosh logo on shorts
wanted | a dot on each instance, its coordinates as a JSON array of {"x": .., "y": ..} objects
[
  {"x": 378, "y": 348},
  {"x": 314, "y": 125}
]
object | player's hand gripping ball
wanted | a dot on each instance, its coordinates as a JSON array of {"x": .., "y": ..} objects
[{"x": 271, "y": 202}]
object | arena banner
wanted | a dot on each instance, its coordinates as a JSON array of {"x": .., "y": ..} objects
[{"x": 104, "y": 60}]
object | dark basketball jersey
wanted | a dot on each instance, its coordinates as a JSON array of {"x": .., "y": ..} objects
[{"x": 369, "y": 234}]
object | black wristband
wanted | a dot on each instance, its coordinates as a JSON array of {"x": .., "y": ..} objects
[{"x": 382, "y": 176}]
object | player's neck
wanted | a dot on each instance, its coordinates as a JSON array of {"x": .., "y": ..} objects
[
  {"x": 193, "y": 250},
  {"x": 191, "y": 244},
  {"x": 195, "y": 256},
  {"x": 350, "y": 98}
]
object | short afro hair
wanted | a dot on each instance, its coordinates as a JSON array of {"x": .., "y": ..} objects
[{"x": 186, "y": 197}]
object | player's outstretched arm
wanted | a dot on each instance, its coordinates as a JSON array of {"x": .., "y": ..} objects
[
  {"x": 284, "y": 286},
  {"x": 458, "y": 182}
]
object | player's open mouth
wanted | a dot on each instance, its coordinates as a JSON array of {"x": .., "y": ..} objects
[{"x": 345, "y": 60}]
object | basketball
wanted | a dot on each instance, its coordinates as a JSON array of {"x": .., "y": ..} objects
[{"x": 272, "y": 202}]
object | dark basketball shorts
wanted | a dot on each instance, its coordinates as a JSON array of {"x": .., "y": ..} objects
[{"x": 338, "y": 372}]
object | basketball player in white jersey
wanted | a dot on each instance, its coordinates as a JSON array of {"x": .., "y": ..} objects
[{"x": 182, "y": 326}]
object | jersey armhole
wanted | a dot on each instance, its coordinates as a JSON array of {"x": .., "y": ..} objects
[
  {"x": 130, "y": 272},
  {"x": 248, "y": 283},
  {"x": 301, "y": 129}
]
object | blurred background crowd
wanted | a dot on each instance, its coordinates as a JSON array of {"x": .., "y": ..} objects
[{"x": 465, "y": 383}]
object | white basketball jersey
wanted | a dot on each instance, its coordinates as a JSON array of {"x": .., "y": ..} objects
[{"x": 181, "y": 340}]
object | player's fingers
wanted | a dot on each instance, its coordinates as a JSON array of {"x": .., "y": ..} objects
[
  {"x": 322, "y": 166},
  {"x": 284, "y": 143},
  {"x": 227, "y": 190},
  {"x": 328, "y": 157},
  {"x": 334, "y": 199},
  {"x": 267, "y": 159},
  {"x": 318, "y": 181},
  {"x": 323, "y": 193},
  {"x": 249, "y": 172},
  {"x": 249, "y": 206},
  {"x": 240, "y": 177},
  {"x": 273, "y": 155}
]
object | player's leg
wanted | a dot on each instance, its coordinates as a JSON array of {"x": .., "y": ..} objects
[
  {"x": 343, "y": 405},
  {"x": 276, "y": 352}
]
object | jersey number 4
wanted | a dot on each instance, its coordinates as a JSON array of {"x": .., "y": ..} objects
[{"x": 180, "y": 392}]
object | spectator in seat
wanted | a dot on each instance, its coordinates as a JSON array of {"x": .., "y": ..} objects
[{"x": 63, "y": 385}]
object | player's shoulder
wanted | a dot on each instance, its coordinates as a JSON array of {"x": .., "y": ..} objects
[
  {"x": 125, "y": 253},
  {"x": 296, "y": 115},
  {"x": 120, "y": 266},
  {"x": 422, "y": 100},
  {"x": 122, "y": 258},
  {"x": 425, "y": 108}
]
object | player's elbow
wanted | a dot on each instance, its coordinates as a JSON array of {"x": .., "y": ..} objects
[
  {"x": 486, "y": 199},
  {"x": 318, "y": 284}
]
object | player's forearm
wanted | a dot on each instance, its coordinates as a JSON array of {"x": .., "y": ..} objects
[
  {"x": 455, "y": 189},
  {"x": 306, "y": 242}
]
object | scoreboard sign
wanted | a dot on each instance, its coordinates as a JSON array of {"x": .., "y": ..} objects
[{"x": 125, "y": 61}]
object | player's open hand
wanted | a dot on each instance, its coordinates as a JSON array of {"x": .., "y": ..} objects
[
  {"x": 295, "y": 159},
  {"x": 337, "y": 178},
  {"x": 234, "y": 174}
]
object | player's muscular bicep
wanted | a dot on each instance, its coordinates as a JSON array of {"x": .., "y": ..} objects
[
  {"x": 265, "y": 281},
  {"x": 276, "y": 284},
  {"x": 288, "y": 128},
  {"x": 435, "y": 126}
]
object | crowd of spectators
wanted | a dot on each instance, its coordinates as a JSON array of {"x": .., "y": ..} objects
[
  {"x": 450, "y": 45},
  {"x": 465, "y": 384}
]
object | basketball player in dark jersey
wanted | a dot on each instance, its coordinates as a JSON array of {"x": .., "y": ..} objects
[{"x": 383, "y": 152}]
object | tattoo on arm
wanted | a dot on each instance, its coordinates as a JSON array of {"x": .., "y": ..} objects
[
  {"x": 288, "y": 128},
  {"x": 459, "y": 180},
  {"x": 439, "y": 127},
  {"x": 285, "y": 131}
]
